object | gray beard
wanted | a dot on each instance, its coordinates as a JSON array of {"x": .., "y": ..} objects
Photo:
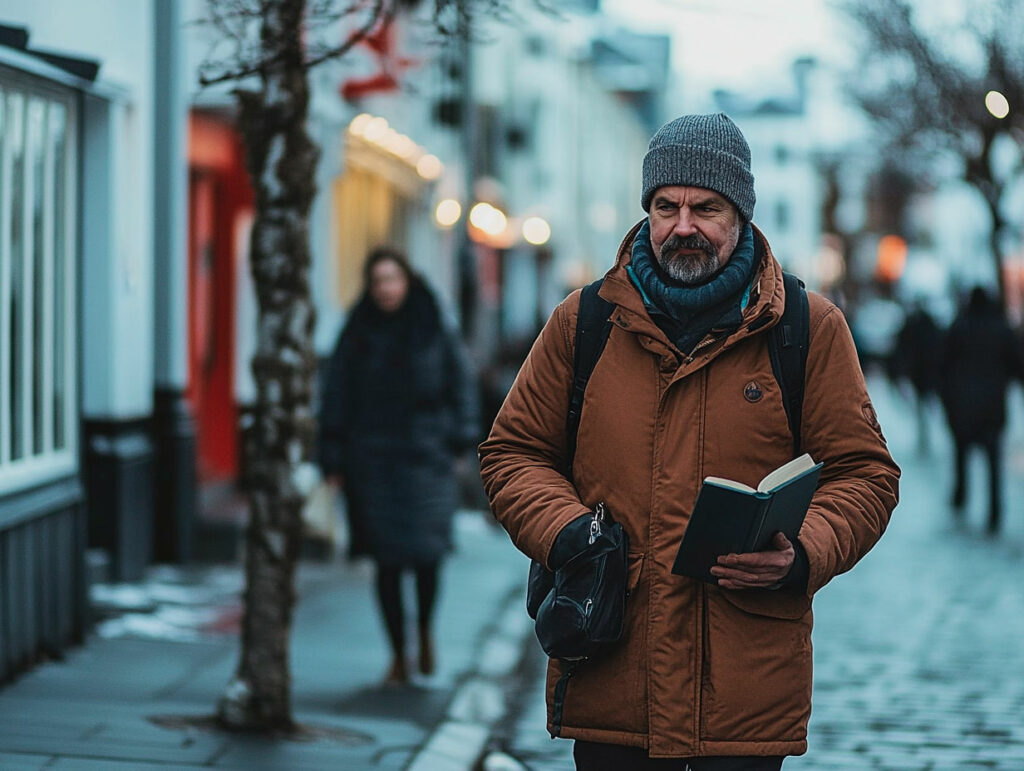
[{"x": 689, "y": 270}]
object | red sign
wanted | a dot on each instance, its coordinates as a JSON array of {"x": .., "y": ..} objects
[{"x": 381, "y": 43}]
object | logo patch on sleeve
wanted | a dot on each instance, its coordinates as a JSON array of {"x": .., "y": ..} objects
[{"x": 868, "y": 409}]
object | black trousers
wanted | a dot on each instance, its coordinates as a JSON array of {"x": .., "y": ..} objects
[
  {"x": 389, "y": 594},
  {"x": 993, "y": 447},
  {"x": 592, "y": 756}
]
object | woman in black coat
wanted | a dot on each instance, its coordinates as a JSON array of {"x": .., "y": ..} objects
[
  {"x": 399, "y": 406},
  {"x": 980, "y": 356}
]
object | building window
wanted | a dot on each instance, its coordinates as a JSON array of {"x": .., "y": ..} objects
[
  {"x": 781, "y": 215},
  {"x": 37, "y": 287}
]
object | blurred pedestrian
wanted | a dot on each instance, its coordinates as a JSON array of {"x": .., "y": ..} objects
[
  {"x": 706, "y": 675},
  {"x": 980, "y": 356},
  {"x": 915, "y": 360},
  {"x": 876, "y": 321},
  {"x": 399, "y": 408}
]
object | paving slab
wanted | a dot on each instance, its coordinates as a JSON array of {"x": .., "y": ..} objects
[{"x": 17, "y": 762}]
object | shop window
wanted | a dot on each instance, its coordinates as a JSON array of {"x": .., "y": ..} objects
[
  {"x": 37, "y": 332},
  {"x": 782, "y": 215}
]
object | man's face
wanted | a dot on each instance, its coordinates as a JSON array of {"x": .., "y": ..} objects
[{"x": 693, "y": 231}]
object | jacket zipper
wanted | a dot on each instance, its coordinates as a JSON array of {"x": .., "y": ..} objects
[
  {"x": 702, "y": 616},
  {"x": 595, "y": 532},
  {"x": 703, "y": 344},
  {"x": 702, "y": 590},
  {"x": 711, "y": 340}
]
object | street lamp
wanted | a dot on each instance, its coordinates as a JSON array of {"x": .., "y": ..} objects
[
  {"x": 447, "y": 212},
  {"x": 429, "y": 167},
  {"x": 488, "y": 219},
  {"x": 536, "y": 231},
  {"x": 997, "y": 104}
]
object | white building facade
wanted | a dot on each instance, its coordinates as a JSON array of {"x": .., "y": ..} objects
[{"x": 77, "y": 275}]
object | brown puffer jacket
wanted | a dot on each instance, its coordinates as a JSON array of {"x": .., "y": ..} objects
[{"x": 701, "y": 670}]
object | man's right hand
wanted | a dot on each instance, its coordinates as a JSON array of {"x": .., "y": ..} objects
[
  {"x": 336, "y": 481},
  {"x": 570, "y": 541}
]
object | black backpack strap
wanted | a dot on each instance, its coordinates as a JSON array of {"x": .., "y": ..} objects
[
  {"x": 593, "y": 325},
  {"x": 787, "y": 347}
]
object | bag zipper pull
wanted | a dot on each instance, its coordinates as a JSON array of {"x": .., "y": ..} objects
[{"x": 595, "y": 523}]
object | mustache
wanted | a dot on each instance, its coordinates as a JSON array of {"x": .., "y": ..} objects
[{"x": 694, "y": 241}]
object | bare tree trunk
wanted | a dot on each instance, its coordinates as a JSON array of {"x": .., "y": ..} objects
[{"x": 281, "y": 159}]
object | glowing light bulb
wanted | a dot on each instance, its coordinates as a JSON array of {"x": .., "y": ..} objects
[
  {"x": 997, "y": 104},
  {"x": 429, "y": 167},
  {"x": 358, "y": 124},
  {"x": 447, "y": 212},
  {"x": 536, "y": 230}
]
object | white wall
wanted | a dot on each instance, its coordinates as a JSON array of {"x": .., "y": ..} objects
[
  {"x": 582, "y": 170},
  {"x": 788, "y": 188},
  {"x": 118, "y": 265}
]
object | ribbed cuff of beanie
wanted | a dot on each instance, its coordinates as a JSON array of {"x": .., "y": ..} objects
[{"x": 699, "y": 166}]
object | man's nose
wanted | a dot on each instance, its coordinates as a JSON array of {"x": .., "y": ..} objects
[{"x": 685, "y": 224}]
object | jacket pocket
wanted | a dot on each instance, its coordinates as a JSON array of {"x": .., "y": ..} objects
[
  {"x": 620, "y": 671},
  {"x": 765, "y": 602},
  {"x": 757, "y": 669}
]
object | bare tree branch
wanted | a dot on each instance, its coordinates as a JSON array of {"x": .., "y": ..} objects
[
  {"x": 381, "y": 15},
  {"x": 925, "y": 89},
  {"x": 241, "y": 73},
  {"x": 236, "y": 24},
  {"x": 325, "y": 14}
]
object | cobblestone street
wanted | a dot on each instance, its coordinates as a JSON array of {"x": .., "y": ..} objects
[{"x": 919, "y": 662}]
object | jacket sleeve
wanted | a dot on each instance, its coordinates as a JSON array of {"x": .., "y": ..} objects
[
  {"x": 334, "y": 410},
  {"x": 522, "y": 460},
  {"x": 859, "y": 485}
]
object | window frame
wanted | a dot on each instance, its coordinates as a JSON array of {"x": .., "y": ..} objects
[{"x": 51, "y": 462}]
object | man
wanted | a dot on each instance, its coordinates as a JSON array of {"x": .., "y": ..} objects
[
  {"x": 980, "y": 356},
  {"x": 915, "y": 359},
  {"x": 710, "y": 676}
]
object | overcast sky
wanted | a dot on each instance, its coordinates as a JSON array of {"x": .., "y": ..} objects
[{"x": 743, "y": 45}]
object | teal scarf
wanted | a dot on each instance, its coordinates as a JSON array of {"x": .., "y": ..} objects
[{"x": 687, "y": 313}]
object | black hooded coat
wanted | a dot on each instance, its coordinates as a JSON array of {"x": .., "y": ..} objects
[
  {"x": 980, "y": 356},
  {"x": 399, "y": 405}
]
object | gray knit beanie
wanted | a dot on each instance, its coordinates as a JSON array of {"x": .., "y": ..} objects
[{"x": 701, "y": 151}]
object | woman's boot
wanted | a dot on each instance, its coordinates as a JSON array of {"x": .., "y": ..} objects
[{"x": 426, "y": 652}]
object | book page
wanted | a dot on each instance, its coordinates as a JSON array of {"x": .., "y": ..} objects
[
  {"x": 785, "y": 472},
  {"x": 732, "y": 485}
]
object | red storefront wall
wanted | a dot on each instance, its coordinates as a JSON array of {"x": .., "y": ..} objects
[{"x": 219, "y": 199}]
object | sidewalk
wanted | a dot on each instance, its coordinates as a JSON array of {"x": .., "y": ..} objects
[{"x": 107, "y": 705}]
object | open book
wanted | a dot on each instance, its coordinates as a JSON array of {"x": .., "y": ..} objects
[{"x": 731, "y": 517}]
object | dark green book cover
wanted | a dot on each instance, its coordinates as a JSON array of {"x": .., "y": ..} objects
[{"x": 729, "y": 517}]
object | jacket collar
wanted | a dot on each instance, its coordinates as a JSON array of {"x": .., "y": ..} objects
[{"x": 764, "y": 308}]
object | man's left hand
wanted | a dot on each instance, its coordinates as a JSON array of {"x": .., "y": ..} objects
[{"x": 755, "y": 570}]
